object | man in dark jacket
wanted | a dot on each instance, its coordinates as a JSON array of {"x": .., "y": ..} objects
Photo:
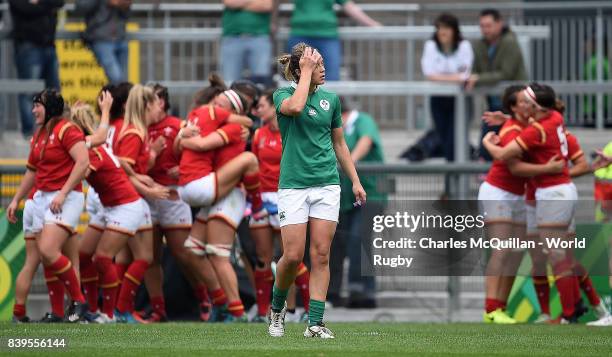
[
  {"x": 34, "y": 23},
  {"x": 497, "y": 57},
  {"x": 105, "y": 34}
]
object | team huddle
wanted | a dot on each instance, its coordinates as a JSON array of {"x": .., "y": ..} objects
[
  {"x": 529, "y": 193},
  {"x": 147, "y": 171}
]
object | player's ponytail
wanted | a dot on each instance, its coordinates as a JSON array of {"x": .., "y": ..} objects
[
  {"x": 136, "y": 107},
  {"x": 84, "y": 117},
  {"x": 560, "y": 106},
  {"x": 291, "y": 62},
  {"x": 216, "y": 86}
]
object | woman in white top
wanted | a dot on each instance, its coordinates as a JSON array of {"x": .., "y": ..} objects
[{"x": 447, "y": 57}]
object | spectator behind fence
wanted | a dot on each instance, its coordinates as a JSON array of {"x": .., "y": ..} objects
[
  {"x": 590, "y": 74},
  {"x": 447, "y": 57},
  {"x": 33, "y": 34},
  {"x": 315, "y": 23},
  {"x": 105, "y": 34},
  {"x": 497, "y": 57},
  {"x": 353, "y": 237},
  {"x": 246, "y": 39}
]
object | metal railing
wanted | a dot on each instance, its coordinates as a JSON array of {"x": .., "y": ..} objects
[{"x": 391, "y": 54}]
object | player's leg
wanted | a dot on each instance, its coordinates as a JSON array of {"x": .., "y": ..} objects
[
  {"x": 220, "y": 240},
  {"x": 111, "y": 243},
  {"x": 262, "y": 236},
  {"x": 153, "y": 279},
  {"x": 89, "y": 273},
  {"x": 24, "y": 280}
]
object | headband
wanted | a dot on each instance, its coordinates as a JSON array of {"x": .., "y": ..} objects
[{"x": 234, "y": 98}]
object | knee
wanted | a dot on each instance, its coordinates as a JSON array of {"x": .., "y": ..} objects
[
  {"x": 319, "y": 257},
  {"x": 293, "y": 258}
]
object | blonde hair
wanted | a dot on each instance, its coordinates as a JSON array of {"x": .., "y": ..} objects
[
  {"x": 136, "y": 107},
  {"x": 291, "y": 62},
  {"x": 84, "y": 117}
]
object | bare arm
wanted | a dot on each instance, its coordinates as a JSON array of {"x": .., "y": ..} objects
[
  {"x": 581, "y": 167},
  {"x": 524, "y": 169},
  {"x": 357, "y": 14},
  {"x": 99, "y": 136},
  {"x": 240, "y": 119},
  {"x": 295, "y": 104},
  {"x": 501, "y": 153},
  {"x": 456, "y": 77},
  {"x": 152, "y": 191},
  {"x": 27, "y": 182},
  {"x": 362, "y": 148},
  {"x": 249, "y": 5},
  {"x": 209, "y": 142},
  {"x": 344, "y": 159}
]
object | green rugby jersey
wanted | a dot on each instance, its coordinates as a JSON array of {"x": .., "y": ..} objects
[{"x": 308, "y": 157}]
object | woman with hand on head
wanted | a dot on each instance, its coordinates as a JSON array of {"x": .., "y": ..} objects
[{"x": 310, "y": 123}]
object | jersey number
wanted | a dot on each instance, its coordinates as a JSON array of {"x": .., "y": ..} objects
[{"x": 562, "y": 140}]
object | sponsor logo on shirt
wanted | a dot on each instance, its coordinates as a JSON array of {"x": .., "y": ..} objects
[
  {"x": 324, "y": 104},
  {"x": 312, "y": 112}
]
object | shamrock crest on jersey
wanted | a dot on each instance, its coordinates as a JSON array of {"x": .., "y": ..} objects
[{"x": 324, "y": 104}]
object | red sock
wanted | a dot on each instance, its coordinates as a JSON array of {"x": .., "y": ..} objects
[
  {"x": 263, "y": 286},
  {"x": 586, "y": 284},
  {"x": 109, "y": 282},
  {"x": 89, "y": 281},
  {"x": 129, "y": 286},
  {"x": 302, "y": 281},
  {"x": 120, "y": 268},
  {"x": 252, "y": 186},
  {"x": 492, "y": 305},
  {"x": 236, "y": 308},
  {"x": 63, "y": 269},
  {"x": 159, "y": 305},
  {"x": 565, "y": 281},
  {"x": 218, "y": 297},
  {"x": 540, "y": 283},
  {"x": 56, "y": 292},
  {"x": 201, "y": 294},
  {"x": 19, "y": 310}
]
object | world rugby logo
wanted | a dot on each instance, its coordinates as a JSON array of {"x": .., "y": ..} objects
[{"x": 324, "y": 104}]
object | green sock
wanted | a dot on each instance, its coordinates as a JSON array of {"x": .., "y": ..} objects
[
  {"x": 315, "y": 312},
  {"x": 278, "y": 298}
]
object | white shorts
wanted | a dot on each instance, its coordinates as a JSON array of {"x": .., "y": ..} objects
[
  {"x": 32, "y": 224},
  {"x": 128, "y": 218},
  {"x": 230, "y": 208},
  {"x": 270, "y": 220},
  {"x": 555, "y": 205},
  {"x": 499, "y": 205},
  {"x": 95, "y": 210},
  {"x": 71, "y": 210},
  {"x": 201, "y": 192},
  {"x": 170, "y": 214},
  {"x": 295, "y": 206}
]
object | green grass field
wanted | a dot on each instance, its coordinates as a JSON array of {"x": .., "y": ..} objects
[{"x": 354, "y": 339}]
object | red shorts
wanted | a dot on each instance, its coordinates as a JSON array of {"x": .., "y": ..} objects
[{"x": 603, "y": 195}]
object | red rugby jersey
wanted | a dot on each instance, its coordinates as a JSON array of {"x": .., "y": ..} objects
[
  {"x": 499, "y": 175},
  {"x": 167, "y": 128},
  {"x": 109, "y": 180},
  {"x": 541, "y": 141},
  {"x": 198, "y": 164},
  {"x": 131, "y": 146},
  {"x": 50, "y": 155},
  {"x": 267, "y": 146}
]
